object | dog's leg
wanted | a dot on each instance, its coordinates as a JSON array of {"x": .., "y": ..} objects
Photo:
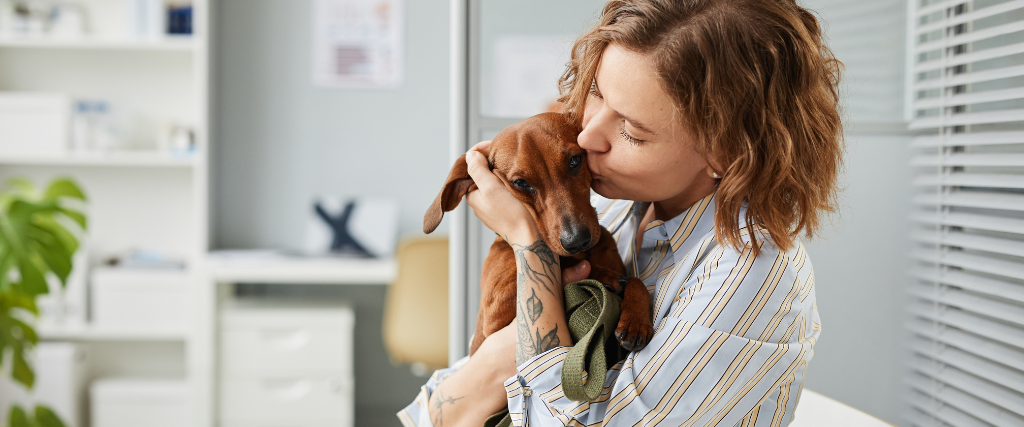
[{"x": 635, "y": 329}]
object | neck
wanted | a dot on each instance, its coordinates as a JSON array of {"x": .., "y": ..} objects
[{"x": 670, "y": 208}]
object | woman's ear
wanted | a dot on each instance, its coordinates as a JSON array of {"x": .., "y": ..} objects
[{"x": 714, "y": 170}]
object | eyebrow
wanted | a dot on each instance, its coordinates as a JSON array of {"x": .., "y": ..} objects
[{"x": 638, "y": 125}]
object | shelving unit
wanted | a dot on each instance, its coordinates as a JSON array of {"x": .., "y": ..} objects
[
  {"x": 114, "y": 159},
  {"x": 92, "y": 333},
  {"x": 139, "y": 197},
  {"x": 184, "y": 44}
]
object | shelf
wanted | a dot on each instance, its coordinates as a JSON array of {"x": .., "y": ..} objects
[
  {"x": 93, "y": 333},
  {"x": 269, "y": 267},
  {"x": 121, "y": 159},
  {"x": 171, "y": 44}
]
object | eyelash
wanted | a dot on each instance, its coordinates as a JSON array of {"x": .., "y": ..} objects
[
  {"x": 630, "y": 138},
  {"x": 593, "y": 90}
]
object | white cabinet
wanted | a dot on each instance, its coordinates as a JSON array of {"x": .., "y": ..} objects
[
  {"x": 61, "y": 386},
  {"x": 140, "y": 299},
  {"x": 139, "y": 402},
  {"x": 286, "y": 364},
  {"x": 314, "y": 397},
  {"x": 142, "y": 193}
]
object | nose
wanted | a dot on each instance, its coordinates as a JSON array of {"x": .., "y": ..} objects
[
  {"x": 574, "y": 238},
  {"x": 594, "y": 137}
]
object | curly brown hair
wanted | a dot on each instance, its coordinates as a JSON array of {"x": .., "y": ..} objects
[{"x": 755, "y": 84}]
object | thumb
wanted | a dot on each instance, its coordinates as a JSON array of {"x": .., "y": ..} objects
[
  {"x": 476, "y": 166},
  {"x": 576, "y": 273}
]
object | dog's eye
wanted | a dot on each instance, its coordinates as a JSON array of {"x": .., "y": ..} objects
[
  {"x": 575, "y": 161},
  {"x": 522, "y": 185}
]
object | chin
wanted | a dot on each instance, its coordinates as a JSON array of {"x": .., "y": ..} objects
[{"x": 606, "y": 192}]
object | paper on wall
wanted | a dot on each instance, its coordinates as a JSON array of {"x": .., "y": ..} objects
[
  {"x": 526, "y": 71},
  {"x": 357, "y": 43}
]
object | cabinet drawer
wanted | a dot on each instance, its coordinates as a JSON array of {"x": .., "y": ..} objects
[
  {"x": 283, "y": 423},
  {"x": 283, "y": 348},
  {"x": 323, "y": 397},
  {"x": 286, "y": 339}
]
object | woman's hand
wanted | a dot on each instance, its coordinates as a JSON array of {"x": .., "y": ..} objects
[
  {"x": 494, "y": 204},
  {"x": 476, "y": 391}
]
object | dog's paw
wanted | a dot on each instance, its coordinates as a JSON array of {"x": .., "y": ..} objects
[{"x": 634, "y": 334}]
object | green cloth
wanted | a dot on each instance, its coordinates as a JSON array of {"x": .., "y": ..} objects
[{"x": 593, "y": 314}]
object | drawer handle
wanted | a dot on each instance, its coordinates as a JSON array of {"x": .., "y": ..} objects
[
  {"x": 286, "y": 339},
  {"x": 335, "y": 385},
  {"x": 288, "y": 390}
]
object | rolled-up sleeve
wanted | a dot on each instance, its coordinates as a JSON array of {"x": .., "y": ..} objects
[
  {"x": 731, "y": 349},
  {"x": 416, "y": 415}
]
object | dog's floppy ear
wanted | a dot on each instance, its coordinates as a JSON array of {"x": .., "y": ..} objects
[{"x": 457, "y": 185}]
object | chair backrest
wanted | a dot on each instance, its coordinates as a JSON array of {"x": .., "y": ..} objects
[
  {"x": 416, "y": 310},
  {"x": 816, "y": 410}
]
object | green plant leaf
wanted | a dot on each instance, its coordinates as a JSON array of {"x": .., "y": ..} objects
[
  {"x": 45, "y": 417},
  {"x": 18, "y": 300},
  {"x": 75, "y": 216},
  {"x": 27, "y": 332},
  {"x": 47, "y": 224},
  {"x": 20, "y": 186},
  {"x": 58, "y": 260},
  {"x": 36, "y": 239},
  {"x": 17, "y": 417},
  {"x": 32, "y": 281},
  {"x": 20, "y": 369},
  {"x": 9, "y": 233},
  {"x": 64, "y": 187}
]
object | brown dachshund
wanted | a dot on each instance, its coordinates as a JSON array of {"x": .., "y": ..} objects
[{"x": 544, "y": 167}]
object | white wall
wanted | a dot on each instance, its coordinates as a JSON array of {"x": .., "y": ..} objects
[
  {"x": 860, "y": 265},
  {"x": 280, "y": 140},
  {"x": 860, "y": 262}
]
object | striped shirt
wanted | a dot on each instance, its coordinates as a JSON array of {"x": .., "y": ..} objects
[{"x": 733, "y": 334}]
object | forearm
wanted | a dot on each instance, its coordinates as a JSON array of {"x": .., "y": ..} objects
[{"x": 540, "y": 311}]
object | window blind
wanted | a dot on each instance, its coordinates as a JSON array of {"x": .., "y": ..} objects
[{"x": 965, "y": 101}]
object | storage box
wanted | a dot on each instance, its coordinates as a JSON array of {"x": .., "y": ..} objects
[
  {"x": 60, "y": 383},
  {"x": 124, "y": 402},
  {"x": 148, "y": 299},
  {"x": 34, "y": 123}
]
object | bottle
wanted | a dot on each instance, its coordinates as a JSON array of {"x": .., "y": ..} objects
[
  {"x": 81, "y": 127},
  {"x": 103, "y": 137}
]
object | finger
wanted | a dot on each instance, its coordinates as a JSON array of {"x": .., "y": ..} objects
[
  {"x": 576, "y": 273},
  {"x": 476, "y": 165},
  {"x": 482, "y": 146}
]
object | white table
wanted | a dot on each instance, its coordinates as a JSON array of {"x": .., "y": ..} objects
[
  {"x": 222, "y": 269},
  {"x": 816, "y": 410}
]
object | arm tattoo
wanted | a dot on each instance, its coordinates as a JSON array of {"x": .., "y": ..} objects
[
  {"x": 540, "y": 269},
  {"x": 437, "y": 418},
  {"x": 543, "y": 271}
]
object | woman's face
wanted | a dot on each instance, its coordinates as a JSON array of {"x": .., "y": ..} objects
[{"x": 637, "y": 149}]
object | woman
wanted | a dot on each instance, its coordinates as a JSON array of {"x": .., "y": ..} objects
[{"x": 711, "y": 126}]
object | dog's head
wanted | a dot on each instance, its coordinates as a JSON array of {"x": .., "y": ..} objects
[{"x": 543, "y": 167}]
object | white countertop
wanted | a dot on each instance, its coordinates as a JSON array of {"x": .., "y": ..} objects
[{"x": 263, "y": 266}]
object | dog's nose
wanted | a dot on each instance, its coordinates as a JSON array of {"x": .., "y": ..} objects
[{"x": 574, "y": 239}]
